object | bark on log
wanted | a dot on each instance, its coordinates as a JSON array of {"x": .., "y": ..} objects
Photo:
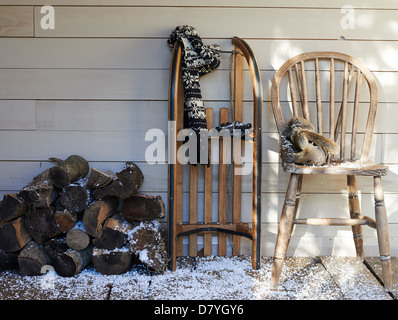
[
  {"x": 141, "y": 207},
  {"x": 96, "y": 213},
  {"x": 113, "y": 234},
  {"x": 77, "y": 238},
  {"x": 68, "y": 171},
  {"x": 41, "y": 224},
  {"x": 99, "y": 179},
  {"x": 71, "y": 262},
  {"x": 75, "y": 197},
  {"x": 8, "y": 260},
  {"x": 147, "y": 242},
  {"x": 55, "y": 247},
  {"x": 114, "y": 189},
  {"x": 12, "y": 207},
  {"x": 40, "y": 192},
  {"x": 131, "y": 178},
  {"x": 112, "y": 261},
  {"x": 64, "y": 219},
  {"x": 32, "y": 259},
  {"x": 14, "y": 235}
]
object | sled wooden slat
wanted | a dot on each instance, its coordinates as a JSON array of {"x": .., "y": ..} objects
[
  {"x": 222, "y": 188},
  {"x": 208, "y": 180},
  {"x": 355, "y": 165},
  {"x": 193, "y": 208},
  {"x": 179, "y": 230}
]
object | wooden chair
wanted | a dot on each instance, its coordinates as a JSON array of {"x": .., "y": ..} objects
[
  {"x": 337, "y": 116},
  {"x": 179, "y": 228}
]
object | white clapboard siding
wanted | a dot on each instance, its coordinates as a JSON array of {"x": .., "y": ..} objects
[
  {"x": 17, "y": 115},
  {"x": 127, "y": 116},
  {"x": 142, "y": 53},
  {"x": 385, "y": 4},
  {"x": 246, "y": 22},
  {"x": 50, "y": 115},
  {"x": 91, "y": 145},
  {"x": 121, "y": 84},
  {"x": 139, "y": 115}
]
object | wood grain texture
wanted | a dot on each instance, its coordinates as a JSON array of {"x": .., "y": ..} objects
[{"x": 16, "y": 21}]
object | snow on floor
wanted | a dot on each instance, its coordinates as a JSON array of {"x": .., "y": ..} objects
[{"x": 206, "y": 278}]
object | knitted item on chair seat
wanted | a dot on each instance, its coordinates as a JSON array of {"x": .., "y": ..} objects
[
  {"x": 300, "y": 144},
  {"x": 197, "y": 60}
]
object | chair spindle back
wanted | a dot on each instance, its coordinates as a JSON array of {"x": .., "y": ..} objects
[{"x": 308, "y": 86}]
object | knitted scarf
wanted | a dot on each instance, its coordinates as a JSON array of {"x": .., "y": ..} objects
[{"x": 197, "y": 60}]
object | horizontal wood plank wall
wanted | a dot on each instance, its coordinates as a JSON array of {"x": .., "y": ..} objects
[{"x": 99, "y": 81}]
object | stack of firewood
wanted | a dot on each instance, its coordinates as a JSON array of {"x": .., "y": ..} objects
[{"x": 70, "y": 216}]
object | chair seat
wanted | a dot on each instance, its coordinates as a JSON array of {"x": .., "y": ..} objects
[{"x": 356, "y": 167}]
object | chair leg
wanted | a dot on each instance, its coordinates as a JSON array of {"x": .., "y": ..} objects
[
  {"x": 284, "y": 230},
  {"x": 298, "y": 196},
  {"x": 382, "y": 233},
  {"x": 298, "y": 193},
  {"x": 355, "y": 209}
]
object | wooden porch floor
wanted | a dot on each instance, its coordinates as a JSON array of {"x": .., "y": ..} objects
[{"x": 303, "y": 278}]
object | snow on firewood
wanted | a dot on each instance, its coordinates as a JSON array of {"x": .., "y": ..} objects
[{"x": 147, "y": 242}]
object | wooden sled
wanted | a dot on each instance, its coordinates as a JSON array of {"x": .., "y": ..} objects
[{"x": 176, "y": 176}]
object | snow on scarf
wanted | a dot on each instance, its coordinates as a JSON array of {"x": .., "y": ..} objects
[{"x": 197, "y": 60}]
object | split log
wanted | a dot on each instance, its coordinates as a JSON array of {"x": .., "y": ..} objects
[
  {"x": 96, "y": 213},
  {"x": 147, "y": 242},
  {"x": 40, "y": 192},
  {"x": 115, "y": 261},
  {"x": 71, "y": 262},
  {"x": 14, "y": 235},
  {"x": 68, "y": 171},
  {"x": 114, "y": 189},
  {"x": 41, "y": 224},
  {"x": 76, "y": 197},
  {"x": 141, "y": 207},
  {"x": 131, "y": 178},
  {"x": 113, "y": 234},
  {"x": 64, "y": 219},
  {"x": 77, "y": 238},
  {"x": 98, "y": 179},
  {"x": 32, "y": 259},
  {"x": 8, "y": 260},
  {"x": 12, "y": 207}
]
